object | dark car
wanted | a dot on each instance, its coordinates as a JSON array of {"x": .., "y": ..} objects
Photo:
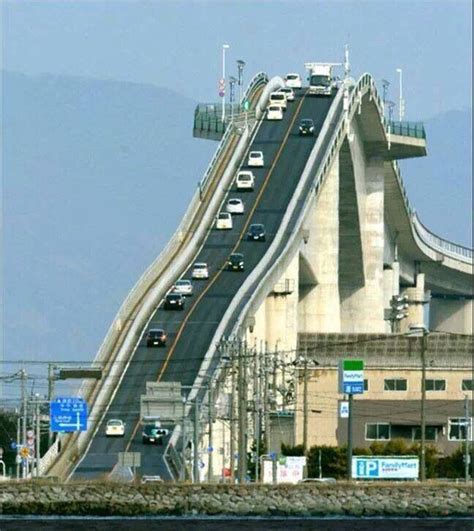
[
  {"x": 306, "y": 127},
  {"x": 235, "y": 262},
  {"x": 153, "y": 434},
  {"x": 174, "y": 301},
  {"x": 256, "y": 232},
  {"x": 156, "y": 337}
]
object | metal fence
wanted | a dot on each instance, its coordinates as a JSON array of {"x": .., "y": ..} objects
[
  {"x": 208, "y": 116},
  {"x": 412, "y": 129}
]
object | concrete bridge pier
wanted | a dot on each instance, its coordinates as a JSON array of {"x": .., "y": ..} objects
[
  {"x": 451, "y": 315},
  {"x": 319, "y": 308}
]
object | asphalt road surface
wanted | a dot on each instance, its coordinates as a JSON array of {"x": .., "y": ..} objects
[{"x": 190, "y": 331}]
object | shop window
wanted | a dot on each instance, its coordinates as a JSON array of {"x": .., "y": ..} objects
[
  {"x": 431, "y": 433},
  {"x": 395, "y": 384},
  {"x": 435, "y": 385},
  {"x": 457, "y": 428},
  {"x": 377, "y": 432}
]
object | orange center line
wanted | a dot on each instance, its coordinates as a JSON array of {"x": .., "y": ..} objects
[{"x": 211, "y": 283}]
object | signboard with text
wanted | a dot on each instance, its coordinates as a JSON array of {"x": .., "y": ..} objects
[
  {"x": 289, "y": 469},
  {"x": 351, "y": 377},
  {"x": 403, "y": 467},
  {"x": 68, "y": 414}
]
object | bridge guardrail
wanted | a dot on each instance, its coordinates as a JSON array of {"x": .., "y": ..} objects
[
  {"x": 412, "y": 129},
  {"x": 258, "y": 80},
  {"x": 435, "y": 242},
  {"x": 124, "y": 319},
  {"x": 429, "y": 238},
  {"x": 454, "y": 250}
]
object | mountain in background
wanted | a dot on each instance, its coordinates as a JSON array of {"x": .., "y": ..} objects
[
  {"x": 440, "y": 185},
  {"x": 96, "y": 177}
]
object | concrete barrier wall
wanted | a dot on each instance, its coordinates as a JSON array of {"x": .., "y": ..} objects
[{"x": 126, "y": 330}]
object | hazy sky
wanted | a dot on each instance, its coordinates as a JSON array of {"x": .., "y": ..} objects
[{"x": 178, "y": 43}]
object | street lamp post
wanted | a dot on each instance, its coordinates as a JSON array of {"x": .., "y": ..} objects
[
  {"x": 390, "y": 105},
  {"x": 401, "y": 110},
  {"x": 224, "y": 48},
  {"x": 240, "y": 68},
  {"x": 422, "y": 332},
  {"x": 232, "y": 82}
]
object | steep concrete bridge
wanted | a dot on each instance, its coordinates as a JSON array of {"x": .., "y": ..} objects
[{"x": 342, "y": 241}]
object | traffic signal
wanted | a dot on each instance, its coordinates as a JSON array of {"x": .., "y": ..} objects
[{"x": 398, "y": 307}]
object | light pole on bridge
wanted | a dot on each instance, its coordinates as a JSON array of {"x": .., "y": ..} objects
[
  {"x": 401, "y": 109},
  {"x": 224, "y": 48}
]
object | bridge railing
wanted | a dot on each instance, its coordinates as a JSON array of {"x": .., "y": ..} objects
[
  {"x": 412, "y": 129},
  {"x": 121, "y": 334},
  {"x": 435, "y": 242},
  {"x": 258, "y": 80},
  {"x": 440, "y": 244}
]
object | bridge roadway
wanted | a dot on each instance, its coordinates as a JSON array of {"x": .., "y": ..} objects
[{"x": 190, "y": 331}]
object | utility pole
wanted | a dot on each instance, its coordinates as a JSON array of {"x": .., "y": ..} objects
[
  {"x": 422, "y": 409},
  {"x": 467, "y": 453},
  {"x": 242, "y": 463},
  {"x": 196, "y": 441},
  {"x": 349, "y": 438},
  {"x": 51, "y": 368},
  {"x": 266, "y": 400},
  {"x": 211, "y": 421},
  {"x": 18, "y": 431},
  {"x": 305, "y": 401},
  {"x": 256, "y": 393},
  {"x": 232, "y": 417},
  {"x": 24, "y": 401},
  {"x": 183, "y": 446},
  {"x": 274, "y": 376},
  {"x": 38, "y": 437}
]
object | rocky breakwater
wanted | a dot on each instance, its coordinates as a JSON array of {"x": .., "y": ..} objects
[{"x": 251, "y": 500}]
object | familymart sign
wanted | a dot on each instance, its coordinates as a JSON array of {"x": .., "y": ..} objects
[{"x": 351, "y": 377}]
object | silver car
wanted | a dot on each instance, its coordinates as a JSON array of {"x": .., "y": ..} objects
[
  {"x": 235, "y": 206},
  {"x": 200, "y": 271},
  {"x": 184, "y": 287}
]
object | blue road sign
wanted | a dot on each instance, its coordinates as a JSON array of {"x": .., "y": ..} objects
[
  {"x": 68, "y": 413},
  {"x": 13, "y": 445},
  {"x": 353, "y": 388}
]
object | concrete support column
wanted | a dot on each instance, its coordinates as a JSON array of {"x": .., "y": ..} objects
[
  {"x": 372, "y": 229},
  {"x": 319, "y": 309},
  {"x": 454, "y": 316},
  {"x": 363, "y": 301},
  {"x": 416, "y": 307},
  {"x": 281, "y": 312}
]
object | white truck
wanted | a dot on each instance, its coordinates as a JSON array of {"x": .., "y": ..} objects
[{"x": 321, "y": 81}]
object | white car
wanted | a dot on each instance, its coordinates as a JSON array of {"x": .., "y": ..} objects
[
  {"x": 278, "y": 98},
  {"x": 255, "y": 159},
  {"x": 293, "y": 80},
  {"x": 183, "y": 286},
  {"x": 115, "y": 428},
  {"x": 200, "y": 271},
  {"x": 224, "y": 221},
  {"x": 289, "y": 93},
  {"x": 235, "y": 206},
  {"x": 245, "y": 180},
  {"x": 274, "y": 112}
]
